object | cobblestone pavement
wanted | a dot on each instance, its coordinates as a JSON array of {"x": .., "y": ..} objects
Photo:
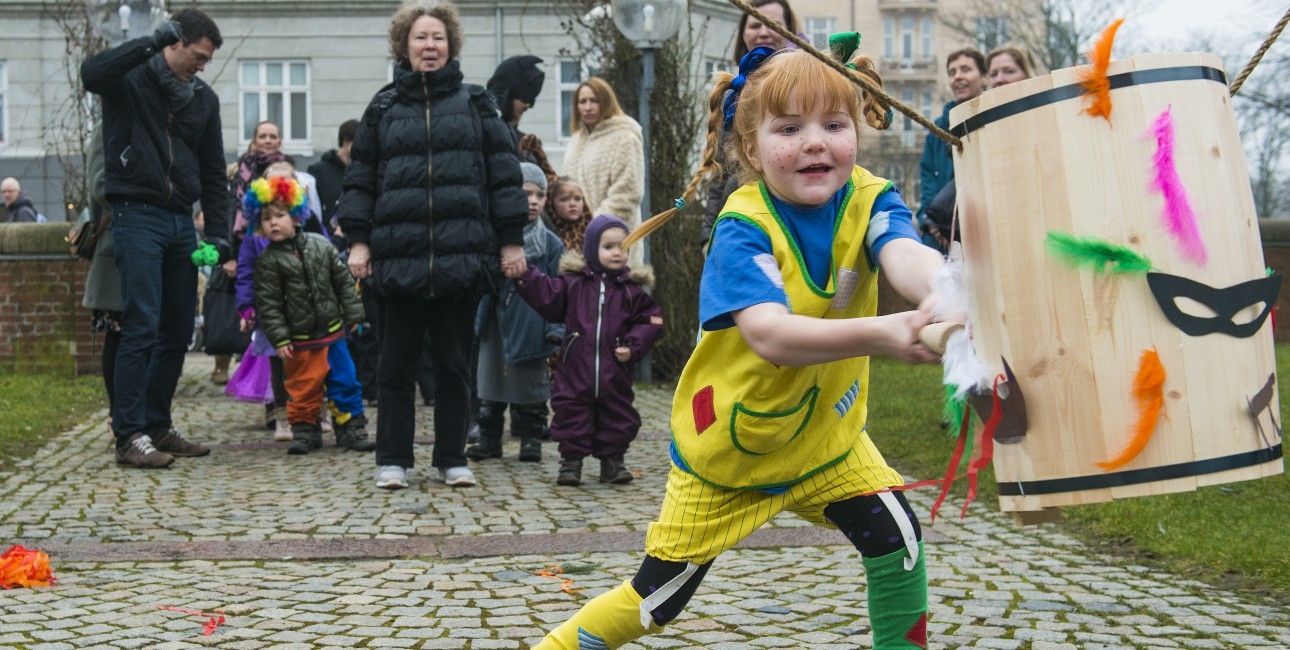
[{"x": 304, "y": 552}]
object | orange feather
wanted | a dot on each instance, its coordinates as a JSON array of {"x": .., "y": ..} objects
[
  {"x": 1097, "y": 88},
  {"x": 1149, "y": 393}
]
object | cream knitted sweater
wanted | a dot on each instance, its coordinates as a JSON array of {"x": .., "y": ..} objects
[{"x": 609, "y": 163}]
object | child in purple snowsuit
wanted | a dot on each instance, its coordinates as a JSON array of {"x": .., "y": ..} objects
[{"x": 609, "y": 322}]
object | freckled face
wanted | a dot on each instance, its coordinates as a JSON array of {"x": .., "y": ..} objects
[{"x": 805, "y": 158}]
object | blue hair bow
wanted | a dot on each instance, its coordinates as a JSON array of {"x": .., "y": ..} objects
[{"x": 747, "y": 65}]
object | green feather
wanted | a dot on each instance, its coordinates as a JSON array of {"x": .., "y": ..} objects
[
  {"x": 1097, "y": 254},
  {"x": 953, "y": 410}
]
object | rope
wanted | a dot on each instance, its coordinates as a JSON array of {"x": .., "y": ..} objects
[
  {"x": 1258, "y": 56},
  {"x": 858, "y": 80}
]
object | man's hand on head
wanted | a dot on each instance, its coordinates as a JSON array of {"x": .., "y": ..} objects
[{"x": 168, "y": 34}]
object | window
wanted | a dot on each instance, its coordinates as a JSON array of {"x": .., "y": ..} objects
[
  {"x": 4, "y": 102},
  {"x": 907, "y": 39},
  {"x": 818, "y": 30},
  {"x": 570, "y": 73},
  {"x": 927, "y": 105},
  {"x": 927, "y": 39},
  {"x": 991, "y": 32},
  {"x": 907, "y": 98},
  {"x": 713, "y": 65},
  {"x": 888, "y": 37},
  {"x": 277, "y": 91}
]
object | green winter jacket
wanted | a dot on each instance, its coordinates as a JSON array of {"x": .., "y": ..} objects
[{"x": 303, "y": 292}]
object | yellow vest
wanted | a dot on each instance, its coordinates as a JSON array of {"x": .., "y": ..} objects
[{"x": 741, "y": 422}]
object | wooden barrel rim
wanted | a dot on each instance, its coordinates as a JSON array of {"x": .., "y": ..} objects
[
  {"x": 1071, "y": 91},
  {"x": 1145, "y": 475}
]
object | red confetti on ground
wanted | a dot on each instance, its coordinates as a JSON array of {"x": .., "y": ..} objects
[
  {"x": 213, "y": 619},
  {"x": 553, "y": 572}
]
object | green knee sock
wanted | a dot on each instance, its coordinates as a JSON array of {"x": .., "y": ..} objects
[
  {"x": 897, "y": 600},
  {"x": 607, "y": 621}
]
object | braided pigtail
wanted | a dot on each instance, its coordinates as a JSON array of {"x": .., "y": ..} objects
[
  {"x": 877, "y": 112},
  {"x": 708, "y": 165}
]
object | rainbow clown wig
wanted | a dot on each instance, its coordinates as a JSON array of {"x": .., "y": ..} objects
[{"x": 264, "y": 191}]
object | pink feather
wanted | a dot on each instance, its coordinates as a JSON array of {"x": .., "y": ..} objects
[{"x": 1178, "y": 215}]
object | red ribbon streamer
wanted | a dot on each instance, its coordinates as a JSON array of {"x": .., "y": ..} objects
[{"x": 213, "y": 620}]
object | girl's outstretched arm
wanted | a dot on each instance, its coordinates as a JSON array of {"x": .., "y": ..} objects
[{"x": 787, "y": 339}]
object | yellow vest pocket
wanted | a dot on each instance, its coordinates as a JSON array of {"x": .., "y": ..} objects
[{"x": 762, "y": 432}]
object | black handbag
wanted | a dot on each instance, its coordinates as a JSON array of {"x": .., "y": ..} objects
[{"x": 223, "y": 334}]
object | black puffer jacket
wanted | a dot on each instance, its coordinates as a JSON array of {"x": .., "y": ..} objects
[
  {"x": 433, "y": 187},
  {"x": 303, "y": 292}
]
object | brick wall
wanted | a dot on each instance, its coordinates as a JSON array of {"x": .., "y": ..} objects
[
  {"x": 1276, "y": 256},
  {"x": 43, "y": 327}
]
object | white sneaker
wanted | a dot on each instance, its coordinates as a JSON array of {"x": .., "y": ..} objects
[
  {"x": 457, "y": 476},
  {"x": 391, "y": 477},
  {"x": 282, "y": 429}
]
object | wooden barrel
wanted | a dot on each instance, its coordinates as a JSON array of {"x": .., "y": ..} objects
[{"x": 1032, "y": 163}]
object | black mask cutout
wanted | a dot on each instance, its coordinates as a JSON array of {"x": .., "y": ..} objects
[
  {"x": 1013, "y": 424},
  {"x": 1224, "y": 302}
]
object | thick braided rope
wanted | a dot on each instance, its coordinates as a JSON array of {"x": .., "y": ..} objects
[
  {"x": 858, "y": 80},
  {"x": 1258, "y": 56}
]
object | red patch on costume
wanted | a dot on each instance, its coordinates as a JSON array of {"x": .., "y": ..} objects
[
  {"x": 917, "y": 635},
  {"x": 705, "y": 414}
]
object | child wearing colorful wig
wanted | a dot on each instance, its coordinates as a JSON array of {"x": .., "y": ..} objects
[
  {"x": 769, "y": 412},
  {"x": 304, "y": 297}
]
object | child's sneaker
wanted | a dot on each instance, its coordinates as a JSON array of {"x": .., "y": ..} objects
[
  {"x": 305, "y": 437},
  {"x": 570, "y": 472},
  {"x": 281, "y": 427},
  {"x": 612, "y": 470},
  {"x": 353, "y": 434},
  {"x": 530, "y": 450}
]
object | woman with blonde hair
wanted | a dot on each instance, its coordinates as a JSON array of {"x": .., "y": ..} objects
[
  {"x": 1009, "y": 63},
  {"x": 606, "y": 156}
]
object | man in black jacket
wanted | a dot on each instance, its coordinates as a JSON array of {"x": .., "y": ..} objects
[
  {"x": 164, "y": 151},
  {"x": 330, "y": 172}
]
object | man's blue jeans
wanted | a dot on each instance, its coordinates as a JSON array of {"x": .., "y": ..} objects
[{"x": 154, "y": 247}]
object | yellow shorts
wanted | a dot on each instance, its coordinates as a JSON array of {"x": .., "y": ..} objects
[{"x": 698, "y": 522}]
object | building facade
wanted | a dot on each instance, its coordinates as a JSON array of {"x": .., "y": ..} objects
[{"x": 308, "y": 67}]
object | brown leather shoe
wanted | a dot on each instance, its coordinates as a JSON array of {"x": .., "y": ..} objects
[
  {"x": 140, "y": 452},
  {"x": 173, "y": 443}
]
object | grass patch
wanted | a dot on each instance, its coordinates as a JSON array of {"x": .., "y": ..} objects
[
  {"x": 36, "y": 407},
  {"x": 1223, "y": 535}
]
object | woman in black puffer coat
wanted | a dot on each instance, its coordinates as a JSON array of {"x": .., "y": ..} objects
[{"x": 432, "y": 200}]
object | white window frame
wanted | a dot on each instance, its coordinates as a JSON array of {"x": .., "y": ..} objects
[
  {"x": 926, "y": 28},
  {"x": 296, "y": 138},
  {"x": 907, "y": 39},
  {"x": 818, "y": 30},
  {"x": 888, "y": 38},
  {"x": 566, "y": 87},
  {"x": 4, "y": 101}
]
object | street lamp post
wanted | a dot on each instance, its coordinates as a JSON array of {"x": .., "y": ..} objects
[{"x": 647, "y": 24}]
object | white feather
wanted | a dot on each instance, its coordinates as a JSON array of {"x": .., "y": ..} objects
[
  {"x": 948, "y": 284},
  {"x": 963, "y": 370}
]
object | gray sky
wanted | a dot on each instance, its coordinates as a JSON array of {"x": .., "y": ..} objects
[{"x": 1240, "y": 25}]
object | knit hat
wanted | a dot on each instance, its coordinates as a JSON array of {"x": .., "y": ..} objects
[
  {"x": 533, "y": 174},
  {"x": 518, "y": 77},
  {"x": 591, "y": 243}
]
